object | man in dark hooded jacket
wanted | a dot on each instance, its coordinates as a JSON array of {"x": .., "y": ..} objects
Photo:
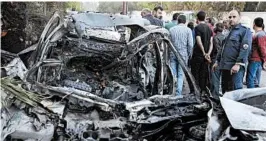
[{"x": 146, "y": 14}]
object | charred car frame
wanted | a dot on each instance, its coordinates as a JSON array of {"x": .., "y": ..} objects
[{"x": 96, "y": 76}]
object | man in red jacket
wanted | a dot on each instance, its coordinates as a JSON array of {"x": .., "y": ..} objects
[
  {"x": 210, "y": 23},
  {"x": 257, "y": 58}
]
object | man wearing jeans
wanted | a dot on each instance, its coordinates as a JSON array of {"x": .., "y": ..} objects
[
  {"x": 181, "y": 36},
  {"x": 258, "y": 54},
  {"x": 234, "y": 55},
  {"x": 218, "y": 40}
]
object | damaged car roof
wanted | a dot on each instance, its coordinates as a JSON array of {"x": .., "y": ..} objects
[
  {"x": 94, "y": 19},
  {"x": 106, "y": 20}
]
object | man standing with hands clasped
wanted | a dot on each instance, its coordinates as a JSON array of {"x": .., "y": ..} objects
[
  {"x": 201, "y": 53},
  {"x": 234, "y": 54}
]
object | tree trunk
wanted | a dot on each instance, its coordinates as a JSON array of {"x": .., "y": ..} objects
[
  {"x": 44, "y": 8},
  {"x": 257, "y": 7}
]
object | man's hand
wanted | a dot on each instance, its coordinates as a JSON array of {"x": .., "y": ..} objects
[
  {"x": 215, "y": 65},
  {"x": 204, "y": 54},
  {"x": 208, "y": 58},
  {"x": 235, "y": 68},
  {"x": 264, "y": 66}
]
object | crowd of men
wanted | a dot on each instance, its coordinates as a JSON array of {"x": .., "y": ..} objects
[{"x": 220, "y": 53}]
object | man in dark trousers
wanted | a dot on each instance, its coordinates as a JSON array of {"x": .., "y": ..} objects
[
  {"x": 234, "y": 55},
  {"x": 218, "y": 40},
  {"x": 201, "y": 53}
]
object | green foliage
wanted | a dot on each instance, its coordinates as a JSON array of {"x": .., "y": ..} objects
[
  {"x": 173, "y": 6},
  {"x": 237, "y": 5},
  {"x": 149, "y": 5},
  {"x": 133, "y": 6},
  {"x": 72, "y": 4},
  {"x": 115, "y": 7},
  {"x": 110, "y": 7}
]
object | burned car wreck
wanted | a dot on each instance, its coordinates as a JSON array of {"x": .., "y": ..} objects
[
  {"x": 96, "y": 76},
  {"x": 239, "y": 116}
]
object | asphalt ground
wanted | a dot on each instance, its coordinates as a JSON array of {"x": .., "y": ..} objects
[{"x": 263, "y": 79}]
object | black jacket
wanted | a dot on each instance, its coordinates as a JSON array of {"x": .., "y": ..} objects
[
  {"x": 217, "y": 44},
  {"x": 236, "y": 47},
  {"x": 153, "y": 20}
]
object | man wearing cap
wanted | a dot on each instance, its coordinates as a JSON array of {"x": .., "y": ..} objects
[
  {"x": 182, "y": 39},
  {"x": 233, "y": 57}
]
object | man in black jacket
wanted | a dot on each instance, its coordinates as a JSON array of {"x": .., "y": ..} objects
[
  {"x": 146, "y": 14},
  {"x": 218, "y": 40},
  {"x": 234, "y": 55}
]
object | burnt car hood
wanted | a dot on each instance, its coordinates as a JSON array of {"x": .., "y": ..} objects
[
  {"x": 240, "y": 116},
  {"x": 248, "y": 112}
]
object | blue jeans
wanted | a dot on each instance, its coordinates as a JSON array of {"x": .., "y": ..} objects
[
  {"x": 253, "y": 74},
  {"x": 178, "y": 72},
  {"x": 215, "y": 83},
  {"x": 234, "y": 81}
]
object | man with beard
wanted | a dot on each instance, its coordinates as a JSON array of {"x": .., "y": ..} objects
[
  {"x": 146, "y": 14},
  {"x": 158, "y": 12}
]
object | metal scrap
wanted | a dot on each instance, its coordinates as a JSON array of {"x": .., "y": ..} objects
[
  {"x": 241, "y": 116},
  {"x": 94, "y": 87}
]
